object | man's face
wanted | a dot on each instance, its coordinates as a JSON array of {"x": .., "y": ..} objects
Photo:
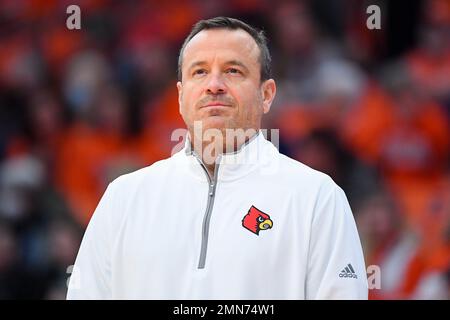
[{"x": 221, "y": 81}]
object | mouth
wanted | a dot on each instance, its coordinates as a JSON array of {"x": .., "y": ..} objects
[{"x": 215, "y": 105}]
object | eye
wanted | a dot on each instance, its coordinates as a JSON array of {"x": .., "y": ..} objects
[
  {"x": 260, "y": 219},
  {"x": 234, "y": 71},
  {"x": 199, "y": 72}
]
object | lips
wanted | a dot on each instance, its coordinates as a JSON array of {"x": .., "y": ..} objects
[{"x": 216, "y": 104}]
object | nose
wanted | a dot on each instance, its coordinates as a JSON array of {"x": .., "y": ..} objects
[{"x": 215, "y": 85}]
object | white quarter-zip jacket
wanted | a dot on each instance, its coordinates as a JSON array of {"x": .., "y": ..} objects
[{"x": 264, "y": 227}]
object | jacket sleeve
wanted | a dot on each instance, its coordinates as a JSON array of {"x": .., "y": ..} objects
[
  {"x": 91, "y": 275},
  {"x": 336, "y": 268}
]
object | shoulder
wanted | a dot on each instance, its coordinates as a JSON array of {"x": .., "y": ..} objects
[
  {"x": 153, "y": 173},
  {"x": 299, "y": 174}
]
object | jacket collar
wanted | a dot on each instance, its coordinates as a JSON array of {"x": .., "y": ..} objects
[{"x": 233, "y": 165}]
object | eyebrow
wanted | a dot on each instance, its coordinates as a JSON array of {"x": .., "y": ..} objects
[
  {"x": 228, "y": 63},
  {"x": 195, "y": 64}
]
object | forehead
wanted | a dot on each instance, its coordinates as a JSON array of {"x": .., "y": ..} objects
[{"x": 222, "y": 43}]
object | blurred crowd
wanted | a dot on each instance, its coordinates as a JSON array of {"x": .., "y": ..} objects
[{"x": 371, "y": 108}]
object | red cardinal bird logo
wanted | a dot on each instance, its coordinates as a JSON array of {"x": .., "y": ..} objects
[{"x": 256, "y": 220}]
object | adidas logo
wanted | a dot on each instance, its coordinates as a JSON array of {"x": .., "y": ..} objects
[{"x": 348, "y": 272}]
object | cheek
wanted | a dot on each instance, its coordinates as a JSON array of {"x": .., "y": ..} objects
[
  {"x": 188, "y": 100},
  {"x": 244, "y": 95},
  {"x": 250, "y": 105}
]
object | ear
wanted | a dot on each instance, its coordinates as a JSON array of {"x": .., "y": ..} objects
[
  {"x": 269, "y": 90},
  {"x": 180, "y": 94}
]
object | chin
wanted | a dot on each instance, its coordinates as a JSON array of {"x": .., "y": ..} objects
[{"x": 215, "y": 122}]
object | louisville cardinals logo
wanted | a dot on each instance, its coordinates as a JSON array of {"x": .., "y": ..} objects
[{"x": 256, "y": 220}]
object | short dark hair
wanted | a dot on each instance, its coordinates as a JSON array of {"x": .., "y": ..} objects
[{"x": 233, "y": 24}]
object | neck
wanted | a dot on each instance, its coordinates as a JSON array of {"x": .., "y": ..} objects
[{"x": 209, "y": 149}]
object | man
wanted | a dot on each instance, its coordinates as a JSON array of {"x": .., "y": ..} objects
[{"x": 228, "y": 217}]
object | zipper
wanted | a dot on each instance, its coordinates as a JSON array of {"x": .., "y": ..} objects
[{"x": 212, "y": 183}]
